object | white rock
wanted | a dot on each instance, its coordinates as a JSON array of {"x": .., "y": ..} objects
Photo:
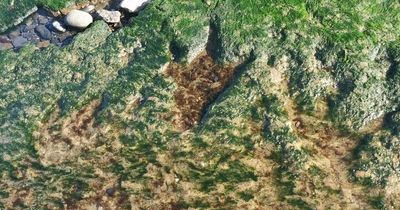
[
  {"x": 133, "y": 5},
  {"x": 57, "y": 25},
  {"x": 78, "y": 19},
  {"x": 110, "y": 16},
  {"x": 89, "y": 8}
]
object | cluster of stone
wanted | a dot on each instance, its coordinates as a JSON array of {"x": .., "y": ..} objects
[
  {"x": 38, "y": 30},
  {"x": 42, "y": 28},
  {"x": 83, "y": 18}
]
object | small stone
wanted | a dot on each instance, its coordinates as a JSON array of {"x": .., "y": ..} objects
[
  {"x": 110, "y": 191},
  {"x": 27, "y": 28},
  {"x": 54, "y": 40},
  {"x": 110, "y": 16},
  {"x": 42, "y": 19},
  {"x": 88, "y": 8},
  {"x": 14, "y": 34},
  {"x": 5, "y": 46},
  {"x": 63, "y": 37},
  {"x": 43, "y": 32},
  {"x": 29, "y": 35},
  {"x": 338, "y": 152},
  {"x": 78, "y": 19},
  {"x": 23, "y": 28},
  {"x": 29, "y": 21},
  {"x": 43, "y": 44},
  {"x": 58, "y": 26},
  {"x": 19, "y": 42},
  {"x": 133, "y": 6}
]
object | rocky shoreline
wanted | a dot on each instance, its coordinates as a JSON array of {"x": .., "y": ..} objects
[{"x": 43, "y": 27}]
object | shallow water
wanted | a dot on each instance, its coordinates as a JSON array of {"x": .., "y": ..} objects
[{"x": 37, "y": 29}]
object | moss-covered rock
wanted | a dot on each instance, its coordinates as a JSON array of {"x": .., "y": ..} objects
[{"x": 285, "y": 93}]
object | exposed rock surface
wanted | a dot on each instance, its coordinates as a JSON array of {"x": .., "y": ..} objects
[
  {"x": 110, "y": 16},
  {"x": 19, "y": 41},
  {"x": 133, "y": 5}
]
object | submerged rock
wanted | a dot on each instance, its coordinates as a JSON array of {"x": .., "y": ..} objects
[
  {"x": 43, "y": 32},
  {"x": 110, "y": 16},
  {"x": 133, "y": 5},
  {"x": 31, "y": 36},
  {"x": 78, "y": 19},
  {"x": 19, "y": 42}
]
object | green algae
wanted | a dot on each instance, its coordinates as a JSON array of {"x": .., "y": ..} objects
[
  {"x": 343, "y": 53},
  {"x": 12, "y": 11}
]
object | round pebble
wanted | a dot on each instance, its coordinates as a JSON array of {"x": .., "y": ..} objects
[{"x": 78, "y": 19}]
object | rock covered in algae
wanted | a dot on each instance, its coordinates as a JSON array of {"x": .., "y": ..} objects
[{"x": 217, "y": 104}]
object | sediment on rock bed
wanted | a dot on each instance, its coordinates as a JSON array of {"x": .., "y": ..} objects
[{"x": 199, "y": 83}]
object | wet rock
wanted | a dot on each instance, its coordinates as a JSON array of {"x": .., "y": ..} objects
[
  {"x": 23, "y": 28},
  {"x": 67, "y": 41},
  {"x": 5, "y": 46},
  {"x": 109, "y": 16},
  {"x": 88, "y": 8},
  {"x": 62, "y": 39},
  {"x": 58, "y": 26},
  {"x": 19, "y": 42},
  {"x": 29, "y": 21},
  {"x": 14, "y": 34},
  {"x": 42, "y": 19},
  {"x": 133, "y": 6},
  {"x": 27, "y": 28},
  {"x": 78, "y": 19},
  {"x": 43, "y": 32},
  {"x": 30, "y": 36}
]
